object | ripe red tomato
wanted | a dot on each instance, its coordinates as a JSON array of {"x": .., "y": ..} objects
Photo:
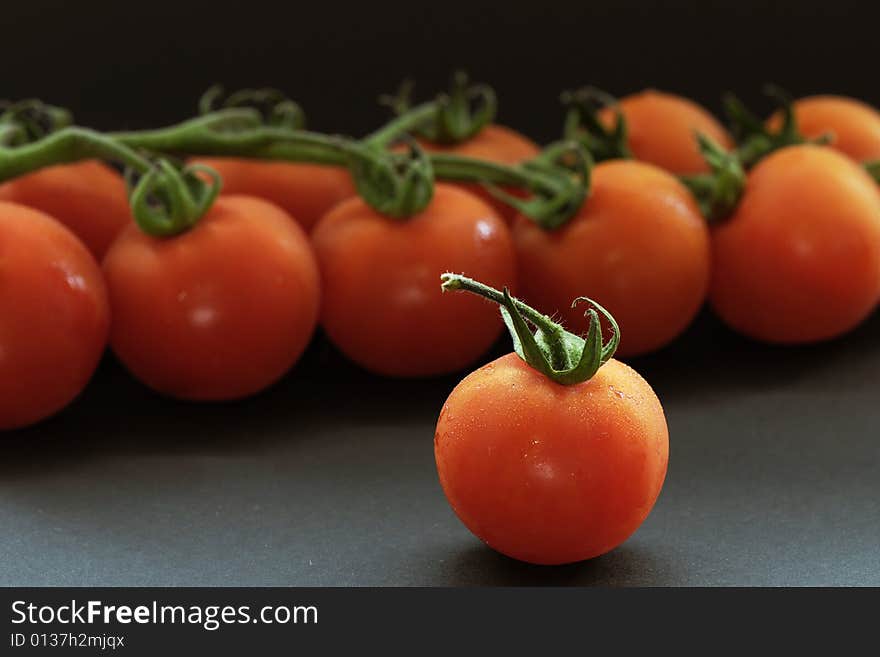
[
  {"x": 662, "y": 129},
  {"x": 88, "y": 197},
  {"x": 548, "y": 473},
  {"x": 305, "y": 191},
  {"x": 854, "y": 126},
  {"x": 639, "y": 246},
  {"x": 54, "y": 316},
  {"x": 494, "y": 143},
  {"x": 381, "y": 304},
  {"x": 219, "y": 312},
  {"x": 799, "y": 260}
]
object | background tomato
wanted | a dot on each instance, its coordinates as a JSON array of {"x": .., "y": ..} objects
[
  {"x": 54, "y": 316},
  {"x": 854, "y": 126},
  {"x": 662, "y": 130},
  {"x": 495, "y": 143},
  {"x": 218, "y": 312},
  {"x": 799, "y": 260},
  {"x": 88, "y": 197},
  {"x": 638, "y": 246},
  {"x": 305, "y": 191},
  {"x": 382, "y": 306},
  {"x": 547, "y": 473}
]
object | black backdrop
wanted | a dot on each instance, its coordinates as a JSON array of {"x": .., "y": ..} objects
[{"x": 134, "y": 64}]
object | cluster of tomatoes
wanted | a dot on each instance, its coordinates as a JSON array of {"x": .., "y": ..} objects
[{"x": 226, "y": 308}]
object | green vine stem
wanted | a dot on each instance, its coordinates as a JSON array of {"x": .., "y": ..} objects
[
  {"x": 450, "y": 118},
  {"x": 396, "y": 184},
  {"x": 718, "y": 192},
  {"x": 755, "y": 139},
  {"x": 873, "y": 169},
  {"x": 165, "y": 200},
  {"x": 582, "y": 124},
  {"x": 562, "y": 356}
]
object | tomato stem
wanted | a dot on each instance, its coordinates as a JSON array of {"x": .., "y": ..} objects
[
  {"x": 718, "y": 192},
  {"x": 873, "y": 169},
  {"x": 164, "y": 200},
  {"x": 450, "y": 118},
  {"x": 404, "y": 124},
  {"x": 754, "y": 138},
  {"x": 562, "y": 356},
  {"x": 25, "y": 121},
  {"x": 582, "y": 124},
  {"x": 394, "y": 183},
  {"x": 276, "y": 108}
]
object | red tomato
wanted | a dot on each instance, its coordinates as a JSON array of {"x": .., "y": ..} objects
[
  {"x": 305, "y": 191},
  {"x": 854, "y": 126},
  {"x": 54, "y": 316},
  {"x": 219, "y": 312},
  {"x": 495, "y": 143},
  {"x": 382, "y": 306},
  {"x": 548, "y": 473},
  {"x": 662, "y": 129},
  {"x": 639, "y": 246},
  {"x": 88, "y": 197},
  {"x": 799, "y": 260}
]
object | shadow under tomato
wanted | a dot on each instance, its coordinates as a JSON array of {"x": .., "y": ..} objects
[
  {"x": 632, "y": 564},
  {"x": 711, "y": 361},
  {"x": 118, "y": 415}
]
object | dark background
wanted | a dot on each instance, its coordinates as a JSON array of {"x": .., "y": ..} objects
[
  {"x": 137, "y": 64},
  {"x": 328, "y": 478}
]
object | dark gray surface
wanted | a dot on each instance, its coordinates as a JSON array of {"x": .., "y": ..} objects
[{"x": 329, "y": 479}]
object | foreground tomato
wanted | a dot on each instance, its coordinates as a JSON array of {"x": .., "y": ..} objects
[
  {"x": 219, "y": 312},
  {"x": 88, "y": 197},
  {"x": 551, "y": 473},
  {"x": 305, "y": 191},
  {"x": 494, "y": 143},
  {"x": 853, "y": 126},
  {"x": 662, "y": 129},
  {"x": 638, "y": 246},
  {"x": 410, "y": 329},
  {"x": 799, "y": 260},
  {"x": 54, "y": 316}
]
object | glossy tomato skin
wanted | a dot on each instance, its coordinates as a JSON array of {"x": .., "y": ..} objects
[
  {"x": 88, "y": 197},
  {"x": 799, "y": 260},
  {"x": 219, "y": 312},
  {"x": 546, "y": 473},
  {"x": 854, "y": 126},
  {"x": 662, "y": 130},
  {"x": 495, "y": 143},
  {"x": 639, "y": 246},
  {"x": 382, "y": 304},
  {"x": 305, "y": 191},
  {"x": 54, "y": 316}
]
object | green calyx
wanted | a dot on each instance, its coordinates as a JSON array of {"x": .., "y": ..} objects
[
  {"x": 755, "y": 139},
  {"x": 168, "y": 200},
  {"x": 274, "y": 107},
  {"x": 394, "y": 184},
  {"x": 873, "y": 169},
  {"x": 583, "y": 125},
  {"x": 453, "y": 117},
  {"x": 561, "y": 356},
  {"x": 717, "y": 193},
  {"x": 23, "y": 122}
]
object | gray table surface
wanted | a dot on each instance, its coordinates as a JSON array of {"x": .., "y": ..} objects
[{"x": 329, "y": 479}]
